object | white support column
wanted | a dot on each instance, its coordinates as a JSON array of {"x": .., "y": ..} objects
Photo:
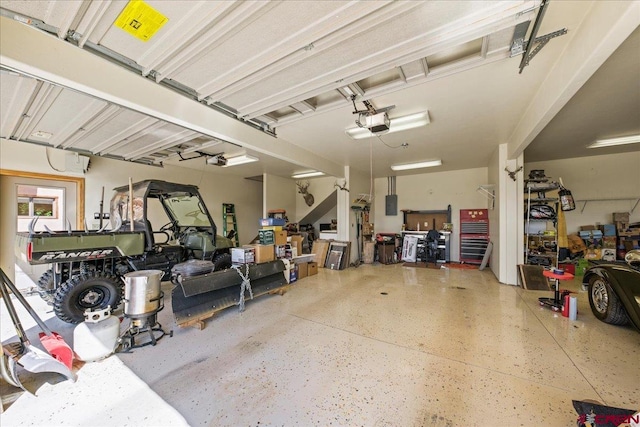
[
  {"x": 511, "y": 222},
  {"x": 344, "y": 212}
]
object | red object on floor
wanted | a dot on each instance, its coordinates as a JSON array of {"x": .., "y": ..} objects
[{"x": 565, "y": 305}]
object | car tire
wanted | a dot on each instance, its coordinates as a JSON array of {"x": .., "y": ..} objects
[
  {"x": 46, "y": 286},
  {"x": 222, "y": 262},
  {"x": 91, "y": 290},
  {"x": 604, "y": 302}
]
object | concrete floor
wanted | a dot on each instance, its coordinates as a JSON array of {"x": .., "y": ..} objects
[{"x": 380, "y": 345}]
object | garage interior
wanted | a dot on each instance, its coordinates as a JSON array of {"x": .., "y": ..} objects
[{"x": 242, "y": 100}]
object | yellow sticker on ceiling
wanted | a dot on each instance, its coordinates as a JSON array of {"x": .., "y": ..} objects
[{"x": 140, "y": 20}]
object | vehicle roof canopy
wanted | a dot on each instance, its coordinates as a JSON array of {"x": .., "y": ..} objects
[{"x": 154, "y": 187}]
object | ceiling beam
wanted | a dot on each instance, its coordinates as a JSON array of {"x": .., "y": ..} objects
[
  {"x": 604, "y": 28},
  {"x": 35, "y": 53}
]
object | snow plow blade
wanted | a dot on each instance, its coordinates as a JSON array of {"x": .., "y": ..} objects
[{"x": 198, "y": 298}]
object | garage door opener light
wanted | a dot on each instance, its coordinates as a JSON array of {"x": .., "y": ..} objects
[{"x": 397, "y": 124}]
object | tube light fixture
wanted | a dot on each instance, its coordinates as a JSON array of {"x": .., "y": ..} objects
[
  {"x": 397, "y": 124},
  {"x": 308, "y": 174},
  {"x": 633, "y": 139},
  {"x": 240, "y": 160},
  {"x": 419, "y": 165}
]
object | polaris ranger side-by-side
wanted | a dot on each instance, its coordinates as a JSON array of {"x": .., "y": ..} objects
[{"x": 87, "y": 266}]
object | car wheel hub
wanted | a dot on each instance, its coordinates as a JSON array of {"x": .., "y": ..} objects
[
  {"x": 91, "y": 298},
  {"x": 600, "y": 296}
]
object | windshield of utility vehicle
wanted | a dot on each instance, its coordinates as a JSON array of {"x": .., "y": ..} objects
[{"x": 187, "y": 210}]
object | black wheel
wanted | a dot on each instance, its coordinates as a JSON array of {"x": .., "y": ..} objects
[
  {"x": 604, "y": 302},
  {"x": 221, "y": 262},
  {"x": 46, "y": 286},
  {"x": 93, "y": 289}
]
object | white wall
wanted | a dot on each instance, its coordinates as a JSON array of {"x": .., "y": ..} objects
[
  {"x": 605, "y": 178},
  {"x": 432, "y": 191},
  {"x": 279, "y": 193},
  {"x": 216, "y": 188},
  {"x": 320, "y": 187}
]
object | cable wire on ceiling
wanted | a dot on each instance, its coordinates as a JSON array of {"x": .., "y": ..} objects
[
  {"x": 46, "y": 150},
  {"x": 370, "y": 170},
  {"x": 403, "y": 145}
]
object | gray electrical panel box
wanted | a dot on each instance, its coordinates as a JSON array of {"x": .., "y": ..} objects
[{"x": 391, "y": 205}]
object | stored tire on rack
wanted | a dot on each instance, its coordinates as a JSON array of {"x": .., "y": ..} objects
[
  {"x": 90, "y": 290},
  {"x": 221, "y": 262},
  {"x": 604, "y": 302}
]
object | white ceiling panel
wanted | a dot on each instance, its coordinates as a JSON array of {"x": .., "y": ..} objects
[
  {"x": 118, "y": 127},
  {"x": 284, "y": 29},
  {"x": 284, "y": 65},
  {"x": 15, "y": 93}
]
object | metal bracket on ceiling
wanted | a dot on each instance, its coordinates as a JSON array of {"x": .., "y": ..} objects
[
  {"x": 535, "y": 44},
  {"x": 199, "y": 155}
]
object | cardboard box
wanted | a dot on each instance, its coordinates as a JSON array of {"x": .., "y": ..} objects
[
  {"x": 369, "y": 252},
  {"x": 243, "y": 255},
  {"x": 622, "y": 226},
  {"x": 266, "y": 222},
  {"x": 280, "y": 237},
  {"x": 608, "y": 229},
  {"x": 587, "y": 227},
  {"x": 630, "y": 245},
  {"x": 267, "y": 237},
  {"x": 312, "y": 268},
  {"x": 593, "y": 254},
  {"x": 621, "y": 217},
  {"x": 303, "y": 270},
  {"x": 609, "y": 254},
  {"x": 609, "y": 242},
  {"x": 296, "y": 241},
  {"x": 263, "y": 253}
]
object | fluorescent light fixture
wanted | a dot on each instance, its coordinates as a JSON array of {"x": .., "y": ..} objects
[
  {"x": 240, "y": 160},
  {"x": 308, "y": 174},
  {"x": 633, "y": 139},
  {"x": 419, "y": 165},
  {"x": 397, "y": 124}
]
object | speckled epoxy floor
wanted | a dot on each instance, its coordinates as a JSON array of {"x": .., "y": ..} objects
[{"x": 442, "y": 347}]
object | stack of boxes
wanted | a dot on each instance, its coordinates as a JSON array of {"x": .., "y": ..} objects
[
  {"x": 592, "y": 238},
  {"x": 274, "y": 244},
  {"x": 609, "y": 242},
  {"x": 628, "y": 238}
]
